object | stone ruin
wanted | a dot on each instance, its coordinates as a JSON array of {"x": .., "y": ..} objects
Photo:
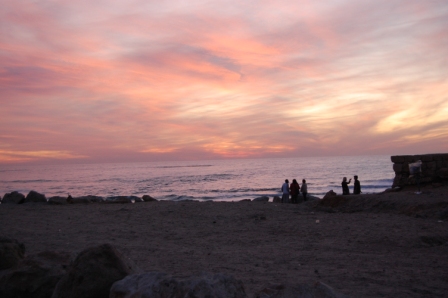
[{"x": 434, "y": 169}]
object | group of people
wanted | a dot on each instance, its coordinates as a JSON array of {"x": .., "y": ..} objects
[
  {"x": 356, "y": 187},
  {"x": 294, "y": 190}
]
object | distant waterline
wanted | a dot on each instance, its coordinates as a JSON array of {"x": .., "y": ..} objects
[{"x": 217, "y": 180}]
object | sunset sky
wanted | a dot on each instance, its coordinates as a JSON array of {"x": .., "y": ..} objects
[{"x": 143, "y": 80}]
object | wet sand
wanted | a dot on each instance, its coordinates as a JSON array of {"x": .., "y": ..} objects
[{"x": 384, "y": 245}]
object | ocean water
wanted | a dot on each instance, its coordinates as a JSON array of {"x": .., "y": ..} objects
[{"x": 217, "y": 180}]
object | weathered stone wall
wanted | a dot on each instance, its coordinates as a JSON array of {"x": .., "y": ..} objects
[{"x": 434, "y": 168}]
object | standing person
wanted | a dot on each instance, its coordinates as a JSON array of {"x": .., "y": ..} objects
[
  {"x": 304, "y": 189},
  {"x": 285, "y": 191},
  {"x": 295, "y": 190},
  {"x": 345, "y": 190},
  {"x": 357, "y": 186}
]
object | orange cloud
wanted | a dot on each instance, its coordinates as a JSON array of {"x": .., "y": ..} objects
[{"x": 97, "y": 81}]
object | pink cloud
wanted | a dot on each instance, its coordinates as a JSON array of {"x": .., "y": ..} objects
[{"x": 112, "y": 81}]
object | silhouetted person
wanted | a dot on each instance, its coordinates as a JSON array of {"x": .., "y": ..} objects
[
  {"x": 345, "y": 190},
  {"x": 304, "y": 189},
  {"x": 69, "y": 199},
  {"x": 357, "y": 186},
  {"x": 285, "y": 191},
  {"x": 294, "y": 190}
]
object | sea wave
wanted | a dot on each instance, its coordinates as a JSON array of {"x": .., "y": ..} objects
[
  {"x": 189, "y": 166},
  {"x": 210, "y": 180},
  {"x": 33, "y": 181}
]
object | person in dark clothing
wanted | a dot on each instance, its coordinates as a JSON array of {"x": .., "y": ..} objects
[
  {"x": 357, "y": 186},
  {"x": 294, "y": 190},
  {"x": 304, "y": 189},
  {"x": 345, "y": 190}
]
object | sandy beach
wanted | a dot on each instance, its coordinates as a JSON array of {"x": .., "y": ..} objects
[{"x": 382, "y": 245}]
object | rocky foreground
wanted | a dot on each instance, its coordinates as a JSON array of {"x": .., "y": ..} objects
[{"x": 385, "y": 245}]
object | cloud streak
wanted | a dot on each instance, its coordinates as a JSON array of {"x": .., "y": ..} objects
[{"x": 144, "y": 80}]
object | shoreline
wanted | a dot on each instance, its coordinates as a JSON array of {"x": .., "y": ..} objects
[
  {"x": 389, "y": 244},
  {"x": 34, "y": 196}
]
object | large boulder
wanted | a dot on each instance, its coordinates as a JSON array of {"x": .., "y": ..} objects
[
  {"x": 331, "y": 199},
  {"x": 393, "y": 189},
  {"x": 330, "y": 194},
  {"x": 310, "y": 197},
  {"x": 34, "y": 196},
  {"x": 317, "y": 290},
  {"x": 86, "y": 199},
  {"x": 79, "y": 200},
  {"x": 57, "y": 200},
  {"x": 14, "y": 198},
  {"x": 276, "y": 199},
  {"x": 147, "y": 198},
  {"x": 11, "y": 253},
  {"x": 36, "y": 276},
  {"x": 93, "y": 272},
  {"x": 261, "y": 199},
  {"x": 160, "y": 285}
]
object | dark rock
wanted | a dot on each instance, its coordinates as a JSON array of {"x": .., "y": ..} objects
[
  {"x": 318, "y": 290},
  {"x": 397, "y": 180},
  {"x": 122, "y": 199},
  {"x": 332, "y": 200},
  {"x": 429, "y": 165},
  {"x": 443, "y": 173},
  {"x": 14, "y": 198},
  {"x": 437, "y": 157},
  {"x": 397, "y": 167},
  {"x": 93, "y": 272},
  {"x": 36, "y": 276},
  {"x": 117, "y": 200},
  {"x": 433, "y": 169},
  {"x": 147, "y": 198},
  {"x": 245, "y": 200},
  {"x": 79, "y": 200},
  {"x": 11, "y": 253},
  {"x": 310, "y": 198},
  {"x": 93, "y": 199},
  {"x": 412, "y": 158},
  {"x": 397, "y": 159},
  {"x": 261, "y": 199},
  {"x": 160, "y": 285},
  {"x": 405, "y": 169},
  {"x": 136, "y": 199},
  {"x": 34, "y": 196},
  {"x": 329, "y": 194},
  {"x": 427, "y": 157},
  {"x": 57, "y": 200},
  {"x": 277, "y": 199},
  {"x": 85, "y": 199},
  {"x": 393, "y": 189}
]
